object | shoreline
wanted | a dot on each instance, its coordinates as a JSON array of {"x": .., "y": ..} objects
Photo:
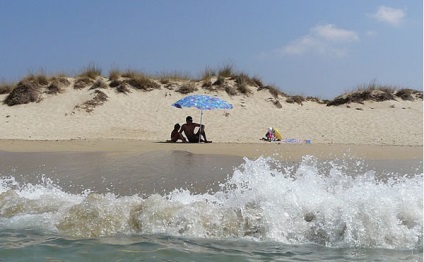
[
  {"x": 249, "y": 150},
  {"x": 127, "y": 167}
]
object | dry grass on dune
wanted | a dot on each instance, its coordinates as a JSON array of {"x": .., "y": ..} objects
[
  {"x": 99, "y": 99},
  {"x": 24, "y": 92},
  {"x": 6, "y": 88},
  {"x": 377, "y": 93},
  {"x": 225, "y": 79},
  {"x": 91, "y": 71}
]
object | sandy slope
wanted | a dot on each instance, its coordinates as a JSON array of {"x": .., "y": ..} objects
[{"x": 150, "y": 116}]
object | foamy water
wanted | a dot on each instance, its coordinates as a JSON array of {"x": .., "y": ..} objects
[{"x": 262, "y": 201}]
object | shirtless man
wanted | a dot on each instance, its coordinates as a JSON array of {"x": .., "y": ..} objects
[{"x": 188, "y": 129}]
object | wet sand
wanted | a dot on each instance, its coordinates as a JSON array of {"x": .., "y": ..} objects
[
  {"x": 251, "y": 150},
  {"x": 127, "y": 167}
]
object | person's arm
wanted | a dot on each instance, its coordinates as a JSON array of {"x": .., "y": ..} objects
[
  {"x": 202, "y": 127},
  {"x": 182, "y": 129}
]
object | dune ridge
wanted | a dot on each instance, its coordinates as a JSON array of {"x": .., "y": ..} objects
[{"x": 73, "y": 108}]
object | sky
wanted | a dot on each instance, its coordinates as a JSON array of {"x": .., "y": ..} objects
[{"x": 320, "y": 48}]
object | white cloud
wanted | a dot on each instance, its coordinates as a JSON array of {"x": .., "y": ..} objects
[
  {"x": 389, "y": 15},
  {"x": 331, "y": 32},
  {"x": 302, "y": 45},
  {"x": 323, "y": 39}
]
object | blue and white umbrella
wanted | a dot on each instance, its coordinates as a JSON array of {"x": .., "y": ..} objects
[{"x": 202, "y": 102}]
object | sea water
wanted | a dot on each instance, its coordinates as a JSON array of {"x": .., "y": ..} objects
[{"x": 265, "y": 210}]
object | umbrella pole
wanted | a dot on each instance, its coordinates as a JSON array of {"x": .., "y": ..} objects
[{"x": 200, "y": 128}]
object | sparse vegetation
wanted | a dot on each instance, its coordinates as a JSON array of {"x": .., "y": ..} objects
[
  {"x": 123, "y": 88},
  {"x": 207, "y": 85},
  {"x": 226, "y": 71},
  {"x": 230, "y": 90},
  {"x": 133, "y": 74},
  {"x": 54, "y": 89},
  {"x": 315, "y": 99},
  {"x": 243, "y": 78},
  {"x": 208, "y": 73},
  {"x": 187, "y": 88},
  {"x": 115, "y": 83},
  {"x": 60, "y": 80},
  {"x": 99, "y": 84},
  {"x": 296, "y": 99},
  {"x": 258, "y": 82},
  {"x": 120, "y": 86},
  {"x": 91, "y": 71},
  {"x": 24, "y": 93},
  {"x": 408, "y": 94},
  {"x": 274, "y": 91},
  {"x": 142, "y": 83},
  {"x": 30, "y": 88},
  {"x": 372, "y": 92},
  {"x": 114, "y": 74},
  {"x": 82, "y": 82},
  {"x": 99, "y": 99},
  {"x": 6, "y": 88},
  {"x": 40, "y": 79},
  {"x": 173, "y": 77},
  {"x": 242, "y": 86},
  {"x": 219, "y": 81}
]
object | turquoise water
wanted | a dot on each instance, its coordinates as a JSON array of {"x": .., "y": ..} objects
[
  {"x": 263, "y": 210},
  {"x": 32, "y": 246}
]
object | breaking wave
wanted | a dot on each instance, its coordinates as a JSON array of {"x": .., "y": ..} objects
[{"x": 261, "y": 201}]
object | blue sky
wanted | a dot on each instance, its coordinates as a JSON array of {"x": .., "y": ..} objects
[{"x": 314, "y": 48}]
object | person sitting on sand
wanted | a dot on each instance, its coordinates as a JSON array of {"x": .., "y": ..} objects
[
  {"x": 176, "y": 135},
  {"x": 188, "y": 129},
  {"x": 270, "y": 135}
]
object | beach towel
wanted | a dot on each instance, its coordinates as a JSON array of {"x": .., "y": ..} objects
[{"x": 295, "y": 141}]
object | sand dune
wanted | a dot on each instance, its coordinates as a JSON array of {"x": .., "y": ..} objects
[{"x": 148, "y": 115}]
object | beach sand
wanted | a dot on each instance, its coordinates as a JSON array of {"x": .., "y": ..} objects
[
  {"x": 123, "y": 140},
  {"x": 149, "y": 116}
]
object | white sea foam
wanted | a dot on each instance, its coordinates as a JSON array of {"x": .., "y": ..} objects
[{"x": 262, "y": 200}]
